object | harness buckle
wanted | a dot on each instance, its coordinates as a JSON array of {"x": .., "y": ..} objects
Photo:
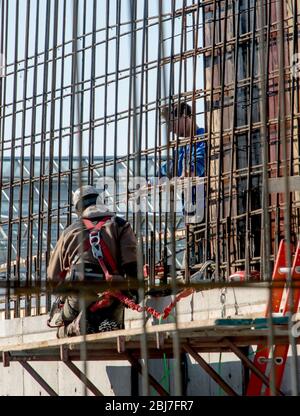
[{"x": 94, "y": 238}]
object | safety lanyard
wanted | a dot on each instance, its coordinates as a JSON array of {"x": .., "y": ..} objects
[{"x": 101, "y": 251}]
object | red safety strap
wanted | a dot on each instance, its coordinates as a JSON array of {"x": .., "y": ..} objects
[
  {"x": 105, "y": 256},
  {"x": 105, "y": 301}
]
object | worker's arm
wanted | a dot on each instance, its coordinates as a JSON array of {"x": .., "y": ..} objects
[
  {"x": 131, "y": 272},
  {"x": 129, "y": 257},
  {"x": 181, "y": 126},
  {"x": 56, "y": 271},
  {"x": 127, "y": 241}
]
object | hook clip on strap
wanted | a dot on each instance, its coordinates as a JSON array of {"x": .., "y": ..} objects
[
  {"x": 94, "y": 237},
  {"x": 95, "y": 244}
]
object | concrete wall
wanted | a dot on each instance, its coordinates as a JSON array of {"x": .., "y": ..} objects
[{"x": 114, "y": 378}]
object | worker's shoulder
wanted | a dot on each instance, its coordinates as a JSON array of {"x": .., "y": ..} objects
[
  {"x": 71, "y": 228},
  {"x": 120, "y": 221}
]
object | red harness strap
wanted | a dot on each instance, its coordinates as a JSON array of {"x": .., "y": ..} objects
[
  {"x": 102, "y": 254},
  {"x": 99, "y": 248}
]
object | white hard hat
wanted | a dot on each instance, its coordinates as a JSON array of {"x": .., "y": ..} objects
[{"x": 84, "y": 193}]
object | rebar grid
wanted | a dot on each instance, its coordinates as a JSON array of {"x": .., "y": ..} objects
[{"x": 81, "y": 99}]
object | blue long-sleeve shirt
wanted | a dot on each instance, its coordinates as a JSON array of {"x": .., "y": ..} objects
[{"x": 183, "y": 155}]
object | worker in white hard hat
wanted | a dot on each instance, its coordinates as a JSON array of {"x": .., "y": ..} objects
[{"x": 74, "y": 253}]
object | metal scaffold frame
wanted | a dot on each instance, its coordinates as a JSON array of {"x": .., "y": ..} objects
[
  {"x": 124, "y": 345},
  {"x": 92, "y": 92}
]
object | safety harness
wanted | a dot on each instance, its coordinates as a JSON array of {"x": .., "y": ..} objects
[
  {"x": 102, "y": 254},
  {"x": 99, "y": 248}
]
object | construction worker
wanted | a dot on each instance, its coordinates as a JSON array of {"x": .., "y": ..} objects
[
  {"x": 182, "y": 126},
  {"x": 74, "y": 254},
  {"x": 180, "y": 121}
]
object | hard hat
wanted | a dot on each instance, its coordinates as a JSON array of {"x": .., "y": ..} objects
[{"x": 84, "y": 193}]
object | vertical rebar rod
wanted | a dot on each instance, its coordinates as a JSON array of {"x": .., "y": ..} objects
[
  {"x": 220, "y": 192},
  {"x": 3, "y": 35},
  {"x": 146, "y": 69},
  {"x": 76, "y": 129},
  {"x": 3, "y": 51},
  {"x": 60, "y": 181},
  {"x": 266, "y": 250},
  {"x": 129, "y": 121},
  {"x": 116, "y": 98},
  {"x": 192, "y": 144},
  {"x": 297, "y": 87},
  {"x": 233, "y": 126},
  {"x": 21, "y": 201},
  {"x": 4, "y": 43},
  {"x": 157, "y": 140},
  {"x": 175, "y": 338},
  {"x": 12, "y": 157},
  {"x": 137, "y": 141},
  {"x": 293, "y": 100},
  {"x": 172, "y": 197},
  {"x": 207, "y": 236},
  {"x": 51, "y": 146},
  {"x": 287, "y": 218},
  {"x": 42, "y": 167},
  {"x": 249, "y": 148},
  {"x": 170, "y": 101},
  {"x": 30, "y": 219},
  {"x": 80, "y": 81},
  {"x": 105, "y": 87},
  {"x": 92, "y": 91},
  {"x": 157, "y": 158}
]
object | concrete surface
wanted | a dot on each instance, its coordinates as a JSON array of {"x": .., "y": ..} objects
[{"x": 114, "y": 378}]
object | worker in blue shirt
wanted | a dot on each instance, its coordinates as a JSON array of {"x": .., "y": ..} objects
[{"x": 182, "y": 128}]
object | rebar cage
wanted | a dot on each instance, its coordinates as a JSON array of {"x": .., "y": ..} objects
[{"x": 84, "y": 87}]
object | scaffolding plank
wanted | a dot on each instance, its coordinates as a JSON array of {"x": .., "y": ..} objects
[{"x": 195, "y": 329}]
